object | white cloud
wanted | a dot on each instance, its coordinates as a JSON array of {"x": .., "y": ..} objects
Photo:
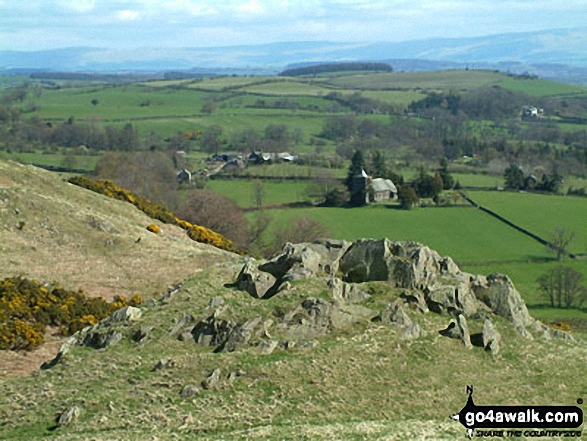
[
  {"x": 254, "y": 7},
  {"x": 80, "y": 6},
  {"x": 128, "y": 15}
]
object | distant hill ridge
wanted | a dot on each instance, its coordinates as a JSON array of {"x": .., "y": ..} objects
[{"x": 545, "y": 53}]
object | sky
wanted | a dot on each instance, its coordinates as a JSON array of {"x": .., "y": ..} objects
[{"x": 125, "y": 24}]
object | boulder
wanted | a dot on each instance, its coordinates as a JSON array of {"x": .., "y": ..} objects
[
  {"x": 452, "y": 295},
  {"x": 415, "y": 300},
  {"x": 257, "y": 283},
  {"x": 123, "y": 315},
  {"x": 241, "y": 334},
  {"x": 498, "y": 292},
  {"x": 99, "y": 339},
  {"x": 346, "y": 293},
  {"x": 458, "y": 329},
  {"x": 395, "y": 314},
  {"x": 491, "y": 337},
  {"x": 403, "y": 264},
  {"x": 305, "y": 260},
  {"x": 140, "y": 334},
  {"x": 212, "y": 380},
  {"x": 189, "y": 390},
  {"x": 68, "y": 416},
  {"x": 268, "y": 346},
  {"x": 213, "y": 331}
]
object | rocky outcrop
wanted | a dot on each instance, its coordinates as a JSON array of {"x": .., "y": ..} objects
[{"x": 429, "y": 282}]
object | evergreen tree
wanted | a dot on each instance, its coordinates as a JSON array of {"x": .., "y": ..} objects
[
  {"x": 514, "y": 177},
  {"x": 357, "y": 165},
  {"x": 448, "y": 181}
]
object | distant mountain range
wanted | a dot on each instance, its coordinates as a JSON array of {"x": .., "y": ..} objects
[{"x": 557, "y": 54}]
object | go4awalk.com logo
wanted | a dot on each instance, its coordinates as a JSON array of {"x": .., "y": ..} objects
[{"x": 517, "y": 421}]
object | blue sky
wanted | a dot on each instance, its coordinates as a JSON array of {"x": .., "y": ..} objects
[{"x": 47, "y": 24}]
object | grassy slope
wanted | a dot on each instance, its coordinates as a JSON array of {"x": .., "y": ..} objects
[
  {"x": 361, "y": 383},
  {"x": 85, "y": 240}
]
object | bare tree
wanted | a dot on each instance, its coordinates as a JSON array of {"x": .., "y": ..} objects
[
  {"x": 562, "y": 287},
  {"x": 150, "y": 174},
  {"x": 220, "y": 214},
  {"x": 259, "y": 190},
  {"x": 299, "y": 229},
  {"x": 560, "y": 239}
]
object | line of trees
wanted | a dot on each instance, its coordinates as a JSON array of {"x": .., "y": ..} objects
[{"x": 336, "y": 67}]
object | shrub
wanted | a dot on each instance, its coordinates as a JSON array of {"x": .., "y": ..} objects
[
  {"x": 153, "y": 228},
  {"x": 27, "y": 307}
]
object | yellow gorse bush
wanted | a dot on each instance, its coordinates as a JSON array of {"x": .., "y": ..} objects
[
  {"x": 27, "y": 308},
  {"x": 155, "y": 211}
]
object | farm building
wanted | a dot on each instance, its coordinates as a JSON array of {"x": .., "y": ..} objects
[
  {"x": 383, "y": 189},
  {"x": 369, "y": 189}
]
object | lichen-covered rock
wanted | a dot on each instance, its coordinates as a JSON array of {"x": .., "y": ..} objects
[
  {"x": 123, "y": 315},
  {"x": 68, "y": 416},
  {"x": 304, "y": 260},
  {"x": 458, "y": 329},
  {"x": 346, "y": 293},
  {"x": 395, "y": 314},
  {"x": 213, "y": 331},
  {"x": 498, "y": 292},
  {"x": 212, "y": 380},
  {"x": 257, "y": 283},
  {"x": 491, "y": 337}
]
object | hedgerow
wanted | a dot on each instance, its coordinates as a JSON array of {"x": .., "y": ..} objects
[
  {"x": 28, "y": 307},
  {"x": 197, "y": 233}
]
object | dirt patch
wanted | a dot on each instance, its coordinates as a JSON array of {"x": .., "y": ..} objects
[
  {"x": 19, "y": 363},
  {"x": 5, "y": 182}
]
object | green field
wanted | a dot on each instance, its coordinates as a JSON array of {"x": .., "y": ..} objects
[
  {"x": 81, "y": 162},
  {"x": 539, "y": 87},
  {"x": 219, "y": 84},
  {"x": 284, "y": 88},
  {"x": 466, "y": 234},
  {"x": 117, "y": 103},
  {"x": 540, "y": 214},
  {"x": 430, "y": 81},
  {"x": 242, "y": 192}
]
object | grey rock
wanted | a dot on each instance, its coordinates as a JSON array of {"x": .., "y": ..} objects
[
  {"x": 499, "y": 294},
  {"x": 268, "y": 346},
  {"x": 235, "y": 374},
  {"x": 164, "y": 363},
  {"x": 491, "y": 337},
  {"x": 189, "y": 390},
  {"x": 346, "y": 293},
  {"x": 216, "y": 301},
  {"x": 102, "y": 339},
  {"x": 141, "y": 333},
  {"x": 213, "y": 331},
  {"x": 212, "y": 380},
  {"x": 305, "y": 260},
  {"x": 186, "y": 319},
  {"x": 458, "y": 329},
  {"x": 395, "y": 314},
  {"x": 415, "y": 300},
  {"x": 240, "y": 336},
  {"x": 68, "y": 416},
  {"x": 257, "y": 283},
  {"x": 123, "y": 315}
]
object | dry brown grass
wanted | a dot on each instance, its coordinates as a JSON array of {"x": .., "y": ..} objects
[{"x": 88, "y": 241}]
